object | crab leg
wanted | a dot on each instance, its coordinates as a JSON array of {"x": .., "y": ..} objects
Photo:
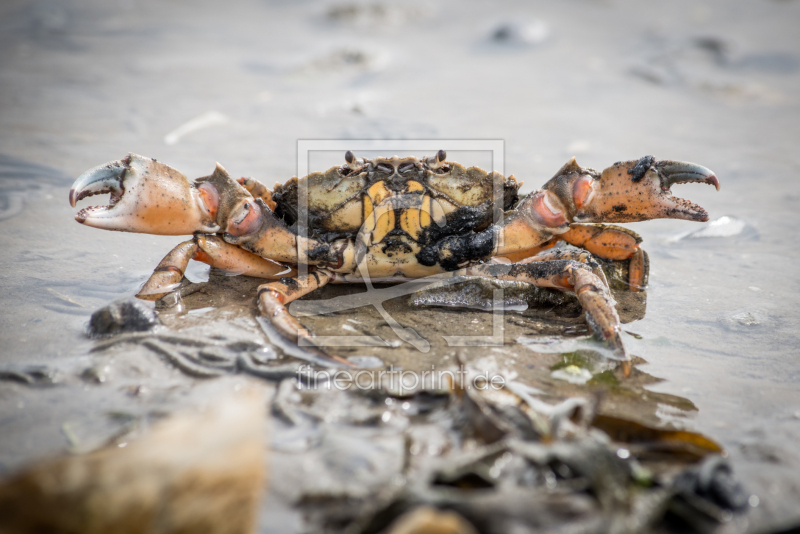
[
  {"x": 273, "y": 297},
  {"x": 612, "y": 243},
  {"x": 569, "y": 275},
  {"x": 169, "y": 273},
  {"x": 256, "y": 228},
  {"x": 258, "y": 190},
  {"x": 605, "y": 241},
  {"x": 222, "y": 255},
  {"x": 602, "y": 240},
  {"x": 213, "y": 251},
  {"x": 567, "y": 254}
]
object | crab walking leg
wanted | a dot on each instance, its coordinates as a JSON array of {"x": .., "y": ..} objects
[
  {"x": 612, "y": 243},
  {"x": 516, "y": 257},
  {"x": 566, "y": 254},
  {"x": 213, "y": 251},
  {"x": 272, "y": 299},
  {"x": 602, "y": 240},
  {"x": 568, "y": 275},
  {"x": 638, "y": 269},
  {"x": 273, "y": 296},
  {"x": 222, "y": 255},
  {"x": 169, "y": 273}
]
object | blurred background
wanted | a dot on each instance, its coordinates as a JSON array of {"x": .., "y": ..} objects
[{"x": 192, "y": 83}]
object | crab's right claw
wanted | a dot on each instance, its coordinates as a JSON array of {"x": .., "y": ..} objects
[
  {"x": 630, "y": 191},
  {"x": 153, "y": 198}
]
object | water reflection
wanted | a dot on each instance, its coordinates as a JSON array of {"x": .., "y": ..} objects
[{"x": 20, "y": 179}]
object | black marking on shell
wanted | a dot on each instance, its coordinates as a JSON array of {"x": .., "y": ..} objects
[
  {"x": 395, "y": 246},
  {"x": 320, "y": 252},
  {"x": 454, "y": 251},
  {"x": 463, "y": 219},
  {"x": 640, "y": 169}
]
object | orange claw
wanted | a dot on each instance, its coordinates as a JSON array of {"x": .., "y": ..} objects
[
  {"x": 629, "y": 191},
  {"x": 152, "y": 198}
]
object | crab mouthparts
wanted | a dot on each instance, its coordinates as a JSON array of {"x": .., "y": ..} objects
[{"x": 106, "y": 178}]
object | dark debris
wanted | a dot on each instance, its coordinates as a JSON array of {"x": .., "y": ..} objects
[{"x": 129, "y": 315}]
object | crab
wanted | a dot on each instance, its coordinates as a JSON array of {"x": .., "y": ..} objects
[{"x": 394, "y": 219}]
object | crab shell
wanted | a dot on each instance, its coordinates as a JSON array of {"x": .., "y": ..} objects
[{"x": 342, "y": 198}]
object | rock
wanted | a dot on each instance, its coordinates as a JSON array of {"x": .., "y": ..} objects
[
  {"x": 706, "y": 495},
  {"x": 428, "y": 520},
  {"x": 524, "y": 34},
  {"x": 122, "y": 316},
  {"x": 196, "y": 472},
  {"x": 745, "y": 320}
]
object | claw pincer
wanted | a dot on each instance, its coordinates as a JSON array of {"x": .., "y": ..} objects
[
  {"x": 630, "y": 191},
  {"x": 146, "y": 196}
]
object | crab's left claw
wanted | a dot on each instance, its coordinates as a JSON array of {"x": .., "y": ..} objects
[
  {"x": 150, "y": 197},
  {"x": 630, "y": 191}
]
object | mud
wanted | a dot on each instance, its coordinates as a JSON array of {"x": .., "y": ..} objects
[{"x": 715, "y": 82}]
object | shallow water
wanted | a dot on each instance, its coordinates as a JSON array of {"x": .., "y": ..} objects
[{"x": 715, "y": 83}]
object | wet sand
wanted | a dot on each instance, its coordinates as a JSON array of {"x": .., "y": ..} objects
[{"x": 715, "y": 83}]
